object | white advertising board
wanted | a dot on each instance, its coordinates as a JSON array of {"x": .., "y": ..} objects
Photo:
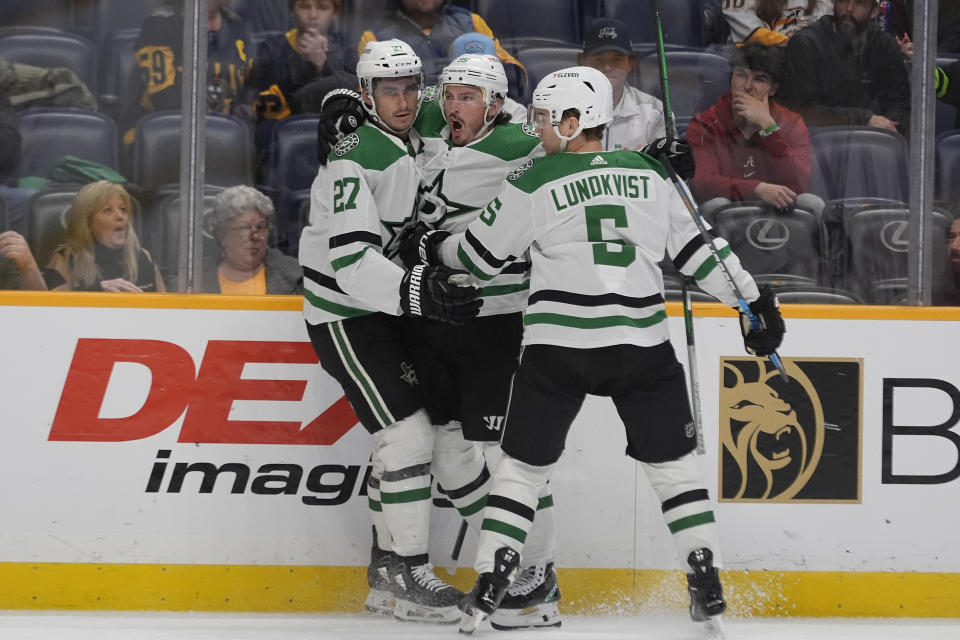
[{"x": 852, "y": 465}]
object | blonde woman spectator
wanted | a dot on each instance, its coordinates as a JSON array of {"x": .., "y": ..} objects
[
  {"x": 102, "y": 251},
  {"x": 246, "y": 265}
]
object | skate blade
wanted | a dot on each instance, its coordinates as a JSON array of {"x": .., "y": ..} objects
[
  {"x": 409, "y": 612},
  {"x": 539, "y": 616},
  {"x": 713, "y": 628},
  {"x": 471, "y": 620},
  {"x": 380, "y": 602}
]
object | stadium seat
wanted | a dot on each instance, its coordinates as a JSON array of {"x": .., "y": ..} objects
[
  {"x": 34, "y": 13},
  {"x": 46, "y": 48},
  {"x": 156, "y": 150},
  {"x": 859, "y": 163},
  {"x": 947, "y": 167},
  {"x": 879, "y": 246},
  {"x": 4, "y": 220},
  {"x": 682, "y": 20},
  {"x": 102, "y": 18},
  {"x": 293, "y": 214},
  {"x": 525, "y": 23},
  {"x": 772, "y": 246},
  {"x": 293, "y": 155},
  {"x": 696, "y": 80},
  {"x": 541, "y": 61},
  {"x": 119, "y": 72},
  {"x": 51, "y": 133},
  {"x": 161, "y": 232},
  {"x": 792, "y": 294}
]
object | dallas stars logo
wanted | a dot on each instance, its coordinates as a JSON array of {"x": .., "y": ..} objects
[
  {"x": 454, "y": 209},
  {"x": 409, "y": 374}
]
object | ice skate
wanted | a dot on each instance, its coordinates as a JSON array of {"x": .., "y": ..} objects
[
  {"x": 531, "y": 600},
  {"x": 706, "y": 594},
  {"x": 381, "y": 598},
  {"x": 420, "y": 594},
  {"x": 489, "y": 590}
]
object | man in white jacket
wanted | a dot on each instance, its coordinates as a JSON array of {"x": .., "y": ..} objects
[{"x": 637, "y": 116}]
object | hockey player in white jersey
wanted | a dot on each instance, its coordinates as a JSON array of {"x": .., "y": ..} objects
[
  {"x": 353, "y": 299},
  {"x": 596, "y": 224}
]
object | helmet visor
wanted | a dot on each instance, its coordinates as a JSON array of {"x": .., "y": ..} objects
[{"x": 388, "y": 87}]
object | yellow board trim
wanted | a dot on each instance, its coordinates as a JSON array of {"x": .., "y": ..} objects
[
  {"x": 295, "y": 303},
  {"x": 299, "y": 589}
]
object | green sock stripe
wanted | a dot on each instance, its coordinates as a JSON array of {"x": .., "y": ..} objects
[
  {"x": 545, "y": 502},
  {"x": 688, "y": 522},
  {"x": 503, "y": 528},
  {"x": 374, "y": 505},
  {"x": 403, "y": 497},
  {"x": 473, "y": 508}
]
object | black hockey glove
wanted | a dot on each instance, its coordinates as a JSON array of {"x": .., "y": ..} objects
[
  {"x": 341, "y": 112},
  {"x": 420, "y": 245},
  {"x": 764, "y": 340},
  {"x": 439, "y": 293},
  {"x": 677, "y": 152}
]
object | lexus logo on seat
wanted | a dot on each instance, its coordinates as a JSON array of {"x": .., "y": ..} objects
[
  {"x": 893, "y": 235},
  {"x": 767, "y": 234}
]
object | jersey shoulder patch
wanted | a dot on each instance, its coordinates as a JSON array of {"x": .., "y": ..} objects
[
  {"x": 530, "y": 129},
  {"x": 519, "y": 171},
  {"x": 368, "y": 147},
  {"x": 431, "y": 93},
  {"x": 346, "y": 145}
]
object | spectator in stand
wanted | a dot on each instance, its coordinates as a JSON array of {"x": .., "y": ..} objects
[
  {"x": 479, "y": 44},
  {"x": 14, "y": 197},
  {"x": 748, "y": 147},
  {"x": 637, "y": 116},
  {"x": 844, "y": 70},
  {"x": 18, "y": 269},
  {"x": 310, "y": 53},
  {"x": 159, "y": 55},
  {"x": 772, "y": 22},
  {"x": 430, "y": 27},
  {"x": 246, "y": 265},
  {"x": 948, "y": 26},
  {"x": 952, "y": 297},
  {"x": 102, "y": 251}
]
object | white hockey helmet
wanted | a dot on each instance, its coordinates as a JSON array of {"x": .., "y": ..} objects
[
  {"x": 387, "y": 59},
  {"x": 582, "y": 88},
  {"x": 477, "y": 70}
]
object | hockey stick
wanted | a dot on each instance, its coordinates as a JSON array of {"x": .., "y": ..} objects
[
  {"x": 671, "y": 127},
  {"x": 690, "y": 203},
  {"x": 457, "y": 546}
]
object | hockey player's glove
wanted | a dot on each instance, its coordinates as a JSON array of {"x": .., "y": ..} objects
[
  {"x": 420, "y": 245},
  {"x": 766, "y": 339},
  {"x": 439, "y": 293},
  {"x": 341, "y": 112},
  {"x": 677, "y": 152}
]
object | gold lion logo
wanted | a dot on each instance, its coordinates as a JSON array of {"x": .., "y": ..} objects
[{"x": 775, "y": 447}]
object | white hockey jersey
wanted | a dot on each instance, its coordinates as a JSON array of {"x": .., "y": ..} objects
[
  {"x": 467, "y": 178},
  {"x": 596, "y": 225},
  {"x": 746, "y": 26},
  {"x": 359, "y": 202}
]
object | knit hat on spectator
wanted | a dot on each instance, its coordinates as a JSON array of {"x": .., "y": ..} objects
[
  {"x": 472, "y": 43},
  {"x": 607, "y": 34}
]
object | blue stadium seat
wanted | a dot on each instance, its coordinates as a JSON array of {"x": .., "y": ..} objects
[
  {"x": 34, "y": 13},
  {"x": 696, "y": 80},
  {"x": 682, "y": 20},
  {"x": 293, "y": 155},
  {"x": 46, "y": 48},
  {"x": 102, "y": 18},
  {"x": 161, "y": 231},
  {"x": 532, "y": 22},
  {"x": 857, "y": 163},
  {"x": 540, "y": 61},
  {"x": 119, "y": 73},
  {"x": 156, "y": 150},
  {"x": 879, "y": 246},
  {"x": 947, "y": 167},
  {"x": 49, "y": 133},
  {"x": 770, "y": 245},
  {"x": 791, "y": 294}
]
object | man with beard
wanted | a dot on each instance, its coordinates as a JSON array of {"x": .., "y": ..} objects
[{"x": 843, "y": 70}]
